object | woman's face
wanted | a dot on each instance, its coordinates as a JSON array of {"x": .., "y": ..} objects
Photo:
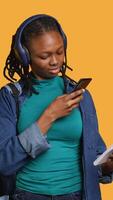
[{"x": 47, "y": 54}]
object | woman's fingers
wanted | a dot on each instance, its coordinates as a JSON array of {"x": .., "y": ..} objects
[
  {"x": 111, "y": 157},
  {"x": 75, "y": 94},
  {"x": 74, "y": 101}
]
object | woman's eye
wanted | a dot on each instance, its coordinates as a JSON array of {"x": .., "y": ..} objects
[
  {"x": 60, "y": 52},
  {"x": 43, "y": 57}
]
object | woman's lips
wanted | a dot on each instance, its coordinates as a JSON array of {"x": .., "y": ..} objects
[{"x": 54, "y": 70}]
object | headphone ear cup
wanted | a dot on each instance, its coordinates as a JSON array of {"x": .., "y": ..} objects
[
  {"x": 27, "y": 54},
  {"x": 24, "y": 58}
]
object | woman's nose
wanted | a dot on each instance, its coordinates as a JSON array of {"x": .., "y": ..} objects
[{"x": 53, "y": 60}]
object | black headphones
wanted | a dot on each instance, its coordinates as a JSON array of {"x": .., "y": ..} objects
[{"x": 21, "y": 51}]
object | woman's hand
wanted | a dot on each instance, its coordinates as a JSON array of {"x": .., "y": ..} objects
[
  {"x": 107, "y": 167},
  {"x": 63, "y": 105},
  {"x": 60, "y": 107}
]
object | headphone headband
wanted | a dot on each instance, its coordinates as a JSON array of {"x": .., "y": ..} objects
[{"x": 22, "y": 52}]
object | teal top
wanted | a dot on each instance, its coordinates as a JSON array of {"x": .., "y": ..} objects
[{"x": 58, "y": 170}]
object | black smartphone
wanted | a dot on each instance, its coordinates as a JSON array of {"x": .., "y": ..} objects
[{"x": 82, "y": 83}]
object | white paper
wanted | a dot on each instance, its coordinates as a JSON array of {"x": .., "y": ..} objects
[{"x": 103, "y": 157}]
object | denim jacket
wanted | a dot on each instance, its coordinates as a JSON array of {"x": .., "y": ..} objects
[{"x": 16, "y": 150}]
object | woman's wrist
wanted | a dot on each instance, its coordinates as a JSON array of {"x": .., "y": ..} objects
[{"x": 45, "y": 121}]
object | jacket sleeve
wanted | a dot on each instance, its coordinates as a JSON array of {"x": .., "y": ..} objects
[
  {"x": 15, "y": 150},
  {"x": 100, "y": 147}
]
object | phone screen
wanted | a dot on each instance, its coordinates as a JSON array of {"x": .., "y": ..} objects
[{"x": 82, "y": 83}]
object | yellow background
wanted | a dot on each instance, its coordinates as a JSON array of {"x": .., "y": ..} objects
[{"x": 88, "y": 25}]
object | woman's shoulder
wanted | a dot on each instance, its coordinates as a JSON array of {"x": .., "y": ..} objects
[
  {"x": 9, "y": 92},
  {"x": 88, "y": 102},
  {"x": 12, "y": 88}
]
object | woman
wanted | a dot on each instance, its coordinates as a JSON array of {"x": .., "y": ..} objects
[{"x": 47, "y": 152}]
